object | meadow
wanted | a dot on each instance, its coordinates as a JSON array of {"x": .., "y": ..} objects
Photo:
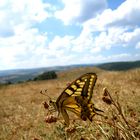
[{"x": 22, "y": 114}]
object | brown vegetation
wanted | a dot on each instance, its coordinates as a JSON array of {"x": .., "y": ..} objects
[{"x": 22, "y": 113}]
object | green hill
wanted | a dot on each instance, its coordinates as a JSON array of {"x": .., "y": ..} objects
[{"x": 118, "y": 66}]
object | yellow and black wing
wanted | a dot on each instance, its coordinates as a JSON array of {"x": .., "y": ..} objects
[
  {"x": 82, "y": 86},
  {"x": 77, "y": 98}
]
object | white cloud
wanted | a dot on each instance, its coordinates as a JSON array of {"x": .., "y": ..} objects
[
  {"x": 16, "y": 12},
  {"x": 138, "y": 45},
  {"x": 122, "y": 56},
  {"x": 131, "y": 38},
  {"x": 21, "y": 50},
  {"x": 98, "y": 58},
  {"x": 20, "y": 42},
  {"x": 59, "y": 43},
  {"x": 23, "y": 45},
  {"x": 104, "y": 32},
  {"x": 112, "y": 28},
  {"x": 32, "y": 10},
  {"x": 117, "y": 37},
  {"x": 127, "y": 14},
  {"x": 88, "y": 48},
  {"x": 77, "y": 11}
]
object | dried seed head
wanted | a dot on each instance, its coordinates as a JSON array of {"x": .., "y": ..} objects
[
  {"x": 67, "y": 84},
  {"x": 137, "y": 134},
  {"x": 83, "y": 117},
  {"x": 107, "y": 100},
  {"x": 116, "y": 92},
  {"x": 114, "y": 118},
  {"x": 105, "y": 117},
  {"x": 82, "y": 138},
  {"x": 50, "y": 119},
  {"x": 105, "y": 92},
  {"x": 70, "y": 130},
  {"x": 46, "y": 106},
  {"x": 35, "y": 139},
  {"x": 132, "y": 114}
]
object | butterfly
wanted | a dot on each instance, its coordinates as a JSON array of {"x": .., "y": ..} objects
[{"x": 77, "y": 99}]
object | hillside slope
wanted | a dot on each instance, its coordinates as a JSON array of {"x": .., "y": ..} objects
[
  {"x": 22, "y": 113},
  {"x": 118, "y": 66}
]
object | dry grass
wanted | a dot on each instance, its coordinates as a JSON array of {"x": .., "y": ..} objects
[{"x": 22, "y": 113}]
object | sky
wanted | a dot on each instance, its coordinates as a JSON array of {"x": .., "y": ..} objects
[{"x": 44, "y": 33}]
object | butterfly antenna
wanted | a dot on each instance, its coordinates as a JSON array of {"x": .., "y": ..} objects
[
  {"x": 96, "y": 109},
  {"x": 44, "y": 93}
]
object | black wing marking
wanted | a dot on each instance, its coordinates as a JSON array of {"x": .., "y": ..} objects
[{"x": 82, "y": 86}]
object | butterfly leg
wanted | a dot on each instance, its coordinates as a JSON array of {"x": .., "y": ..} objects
[{"x": 58, "y": 114}]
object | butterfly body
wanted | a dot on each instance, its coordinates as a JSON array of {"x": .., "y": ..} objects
[{"x": 77, "y": 98}]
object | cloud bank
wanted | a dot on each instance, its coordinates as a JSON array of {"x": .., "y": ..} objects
[{"x": 104, "y": 35}]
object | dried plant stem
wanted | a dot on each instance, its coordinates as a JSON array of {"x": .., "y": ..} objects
[{"x": 118, "y": 107}]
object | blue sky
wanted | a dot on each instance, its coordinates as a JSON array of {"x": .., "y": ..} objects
[{"x": 42, "y": 33}]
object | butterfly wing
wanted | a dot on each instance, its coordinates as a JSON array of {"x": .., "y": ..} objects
[
  {"x": 70, "y": 104},
  {"x": 90, "y": 80},
  {"x": 77, "y": 96},
  {"x": 82, "y": 86}
]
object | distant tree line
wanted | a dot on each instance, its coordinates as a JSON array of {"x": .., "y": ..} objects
[
  {"x": 46, "y": 76},
  {"x": 120, "y": 66}
]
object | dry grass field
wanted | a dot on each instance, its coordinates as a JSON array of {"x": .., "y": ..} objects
[{"x": 22, "y": 113}]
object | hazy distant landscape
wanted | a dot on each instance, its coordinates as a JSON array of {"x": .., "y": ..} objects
[{"x": 19, "y": 75}]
